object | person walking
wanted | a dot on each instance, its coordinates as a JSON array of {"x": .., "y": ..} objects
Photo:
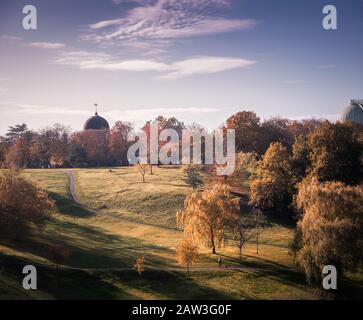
[{"x": 220, "y": 262}]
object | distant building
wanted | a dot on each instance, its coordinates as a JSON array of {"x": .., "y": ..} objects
[
  {"x": 354, "y": 112},
  {"x": 96, "y": 123}
]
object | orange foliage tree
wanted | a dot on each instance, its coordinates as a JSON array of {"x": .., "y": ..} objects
[
  {"x": 22, "y": 205},
  {"x": 139, "y": 265},
  {"x": 330, "y": 231},
  {"x": 187, "y": 253},
  {"x": 118, "y": 144},
  {"x": 206, "y": 215}
]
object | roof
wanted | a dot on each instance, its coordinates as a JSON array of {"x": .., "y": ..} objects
[
  {"x": 354, "y": 112},
  {"x": 96, "y": 123}
]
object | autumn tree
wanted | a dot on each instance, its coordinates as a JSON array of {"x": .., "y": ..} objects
[
  {"x": 22, "y": 205},
  {"x": 335, "y": 154},
  {"x": 95, "y": 143},
  {"x": 187, "y": 253},
  {"x": 118, "y": 143},
  {"x": 59, "y": 139},
  {"x": 15, "y": 158},
  {"x": 276, "y": 130},
  {"x": 139, "y": 265},
  {"x": 245, "y": 168},
  {"x": 22, "y": 137},
  {"x": 304, "y": 127},
  {"x": 271, "y": 186},
  {"x": 207, "y": 214},
  {"x": 3, "y": 151},
  {"x": 171, "y": 123},
  {"x": 141, "y": 169},
  {"x": 300, "y": 159},
  {"x": 331, "y": 227},
  {"x": 248, "y": 131},
  {"x": 192, "y": 175},
  {"x": 58, "y": 254}
]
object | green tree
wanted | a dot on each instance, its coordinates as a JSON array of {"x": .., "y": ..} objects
[
  {"x": 77, "y": 156},
  {"x": 300, "y": 160}
]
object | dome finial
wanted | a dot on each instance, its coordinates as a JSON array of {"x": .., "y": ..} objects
[{"x": 96, "y": 113}]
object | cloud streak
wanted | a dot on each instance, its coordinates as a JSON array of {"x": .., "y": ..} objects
[
  {"x": 174, "y": 70},
  {"x": 135, "y": 114},
  {"x": 166, "y": 20},
  {"x": 47, "y": 45}
]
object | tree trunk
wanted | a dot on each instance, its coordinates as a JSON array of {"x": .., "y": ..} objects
[
  {"x": 212, "y": 241},
  {"x": 257, "y": 244}
]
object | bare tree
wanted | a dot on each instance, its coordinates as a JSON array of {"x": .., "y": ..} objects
[{"x": 141, "y": 169}]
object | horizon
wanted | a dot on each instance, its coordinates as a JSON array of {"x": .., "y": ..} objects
[{"x": 199, "y": 61}]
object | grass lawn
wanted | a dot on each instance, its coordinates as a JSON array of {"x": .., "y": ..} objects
[{"x": 105, "y": 246}]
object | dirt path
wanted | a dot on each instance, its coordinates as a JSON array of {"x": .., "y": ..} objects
[{"x": 115, "y": 216}]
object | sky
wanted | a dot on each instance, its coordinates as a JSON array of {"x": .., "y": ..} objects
[{"x": 198, "y": 60}]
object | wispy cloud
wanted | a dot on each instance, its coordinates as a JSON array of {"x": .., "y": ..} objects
[
  {"x": 166, "y": 20},
  {"x": 178, "y": 69},
  {"x": 13, "y": 108},
  {"x": 333, "y": 117},
  {"x": 135, "y": 115},
  {"x": 11, "y": 38},
  {"x": 132, "y": 114},
  {"x": 47, "y": 45},
  {"x": 205, "y": 65}
]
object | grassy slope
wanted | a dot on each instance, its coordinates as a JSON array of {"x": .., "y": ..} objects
[
  {"x": 122, "y": 192},
  {"x": 100, "y": 241}
]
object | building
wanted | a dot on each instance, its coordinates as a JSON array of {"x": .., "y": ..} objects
[
  {"x": 96, "y": 123},
  {"x": 354, "y": 112}
]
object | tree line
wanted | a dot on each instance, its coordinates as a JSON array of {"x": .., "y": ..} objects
[
  {"x": 58, "y": 146},
  {"x": 316, "y": 182}
]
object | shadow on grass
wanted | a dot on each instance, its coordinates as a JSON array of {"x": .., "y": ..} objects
[
  {"x": 263, "y": 267},
  {"x": 78, "y": 284},
  {"x": 68, "y": 207},
  {"x": 91, "y": 247},
  {"x": 62, "y": 284},
  {"x": 169, "y": 285}
]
